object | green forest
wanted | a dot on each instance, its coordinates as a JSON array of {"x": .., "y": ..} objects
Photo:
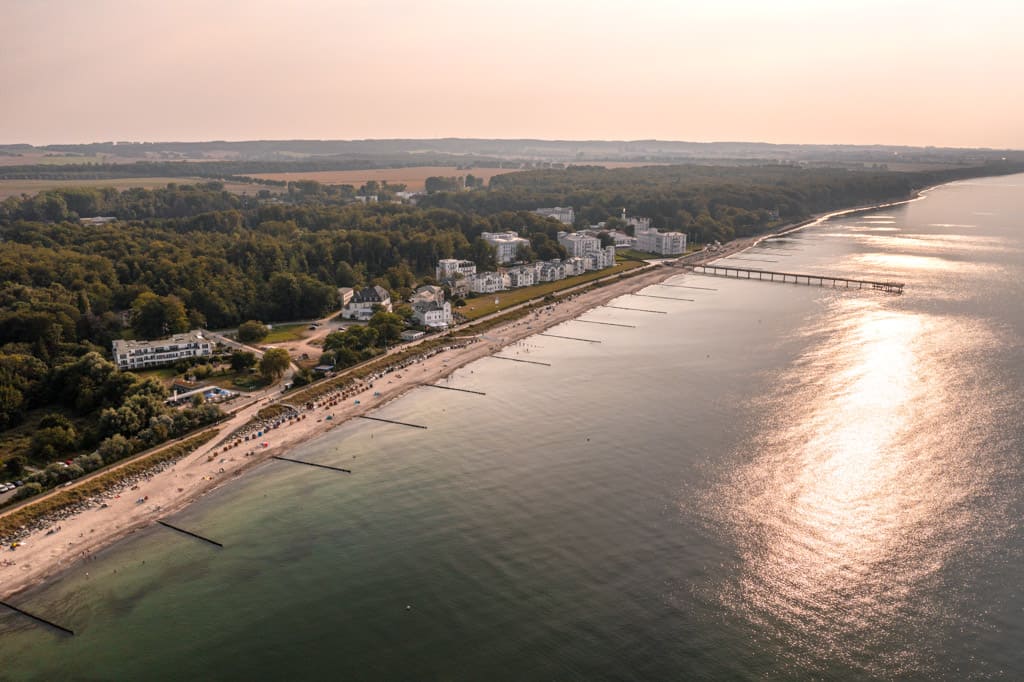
[{"x": 189, "y": 256}]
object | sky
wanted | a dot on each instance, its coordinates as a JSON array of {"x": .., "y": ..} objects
[{"x": 944, "y": 73}]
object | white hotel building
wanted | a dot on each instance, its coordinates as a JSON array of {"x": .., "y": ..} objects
[
  {"x": 447, "y": 268},
  {"x": 506, "y": 245},
  {"x": 131, "y": 355},
  {"x": 578, "y": 243},
  {"x": 563, "y": 214},
  {"x": 664, "y": 243}
]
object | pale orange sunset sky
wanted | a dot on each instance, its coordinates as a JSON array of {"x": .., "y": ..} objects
[{"x": 895, "y": 72}]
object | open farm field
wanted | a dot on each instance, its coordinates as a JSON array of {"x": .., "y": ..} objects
[
  {"x": 413, "y": 177},
  {"x": 13, "y": 188},
  {"x": 620, "y": 164},
  {"x": 57, "y": 159}
]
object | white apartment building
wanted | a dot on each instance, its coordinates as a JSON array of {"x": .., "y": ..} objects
[
  {"x": 622, "y": 240},
  {"x": 603, "y": 258},
  {"x": 447, "y": 268},
  {"x": 429, "y": 307},
  {"x": 345, "y": 295},
  {"x": 427, "y": 293},
  {"x": 432, "y": 314},
  {"x": 662, "y": 243},
  {"x": 578, "y": 243},
  {"x": 637, "y": 223},
  {"x": 564, "y": 215},
  {"x": 550, "y": 271},
  {"x": 488, "y": 282},
  {"x": 576, "y": 265},
  {"x": 131, "y": 355},
  {"x": 506, "y": 245},
  {"x": 361, "y": 306},
  {"x": 523, "y": 276}
]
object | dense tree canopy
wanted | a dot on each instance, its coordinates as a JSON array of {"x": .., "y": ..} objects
[
  {"x": 252, "y": 330},
  {"x": 194, "y": 254},
  {"x": 274, "y": 363}
]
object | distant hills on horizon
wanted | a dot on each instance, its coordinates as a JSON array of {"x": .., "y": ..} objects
[
  {"x": 221, "y": 159},
  {"x": 574, "y": 151}
]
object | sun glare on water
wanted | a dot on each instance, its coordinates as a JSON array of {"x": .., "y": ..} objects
[{"x": 845, "y": 510}]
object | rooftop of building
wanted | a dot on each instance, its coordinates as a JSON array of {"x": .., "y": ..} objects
[
  {"x": 374, "y": 294},
  {"x": 194, "y": 336}
]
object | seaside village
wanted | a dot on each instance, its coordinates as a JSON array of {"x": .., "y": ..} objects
[
  {"x": 583, "y": 250},
  {"x": 431, "y": 311}
]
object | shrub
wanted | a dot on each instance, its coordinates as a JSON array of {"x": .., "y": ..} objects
[
  {"x": 252, "y": 330},
  {"x": 28, "y": 490}
]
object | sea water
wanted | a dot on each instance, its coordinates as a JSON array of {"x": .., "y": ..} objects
[{"x": 764, "y": 480}]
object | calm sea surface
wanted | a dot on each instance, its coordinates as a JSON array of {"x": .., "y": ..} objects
[{"x": 767, "y": 481}]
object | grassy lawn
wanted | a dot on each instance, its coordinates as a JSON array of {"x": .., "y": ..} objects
[
  {"x": 484, "y": 304},
  {"x": 633, "y": 254},
  {"x": 242, "y": 381},
  {"x": 165, "y": 375},
  {"x": 282, "y": 333}
]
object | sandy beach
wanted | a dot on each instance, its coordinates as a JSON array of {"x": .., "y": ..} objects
[
  {"x": 49, "y": 550},
  {"x": 46, "y": 551}
]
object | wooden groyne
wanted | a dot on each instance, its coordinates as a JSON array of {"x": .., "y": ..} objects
[
  {"x": 639, "y": 310},
  {"x": 311, "y": 464},
  {"x": 685, "y": 286},
  {"x": 607, "y": 324},
  {"x": 529, "y": 362},
  {"x": 38, "y": 619},
  {"x": 666, "y": 298},
  {"x": 796, "y": 278},
  {"x": 570, "y": 338},
  {"x": 390, "y": 421},
  {"x": 452, "y": 388},
  {"x": 190, "y": 533}
]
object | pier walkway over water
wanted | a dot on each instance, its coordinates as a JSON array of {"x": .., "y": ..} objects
[{"x": 796, "y": 278}]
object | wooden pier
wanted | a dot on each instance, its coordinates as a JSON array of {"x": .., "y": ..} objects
[{"x": 796, "y": 278}]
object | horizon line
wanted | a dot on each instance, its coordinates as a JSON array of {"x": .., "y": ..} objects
[{"x": 508, "y": 139}]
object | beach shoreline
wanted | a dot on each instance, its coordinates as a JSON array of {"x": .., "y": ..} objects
[
  {"x": 41, "y": 556},
  {"x": 44, "y": 555}
]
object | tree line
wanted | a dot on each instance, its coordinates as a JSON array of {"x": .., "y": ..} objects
[{"x": 188, "y": 256}]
